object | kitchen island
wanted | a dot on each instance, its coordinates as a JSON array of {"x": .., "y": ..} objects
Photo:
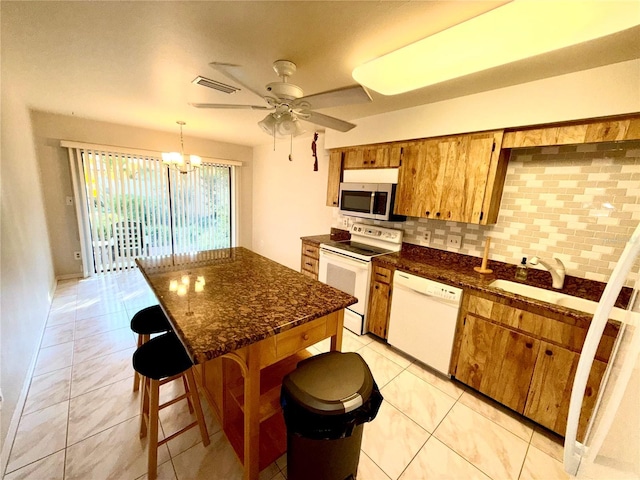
[{"x": 245, "y": 321}]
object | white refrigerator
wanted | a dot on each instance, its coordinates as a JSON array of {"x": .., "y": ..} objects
[{"x": 611, "y": 447}]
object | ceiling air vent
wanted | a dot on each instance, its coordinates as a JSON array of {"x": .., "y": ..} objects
[{"x": 221, "y": 87}]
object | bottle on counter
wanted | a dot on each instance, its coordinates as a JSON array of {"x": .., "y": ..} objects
[{"x": 521, "y": 270}]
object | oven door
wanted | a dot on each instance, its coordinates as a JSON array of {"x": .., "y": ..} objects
[{"x": 350, "y": 275}]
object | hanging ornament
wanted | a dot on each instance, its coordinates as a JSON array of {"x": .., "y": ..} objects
[{"x": 313, "y": 149}]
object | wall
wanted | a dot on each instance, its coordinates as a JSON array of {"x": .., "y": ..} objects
[
  {"x": 608, "y": 90},
  {"x": 26, "y": 268},
  {"x": 580, "y": 203},
  {"x": 53, "y": 160},
  {"x": 289, "y": 198}
]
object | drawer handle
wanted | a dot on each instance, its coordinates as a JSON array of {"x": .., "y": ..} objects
[
  {"x": 307, "y": 264},
  {"x": 529, "y": 345},
  {"x": 377, "y": 287},
  {"x": 548, "y": 352},
  {"x": 305, "y": 336},
  {"x": 383, "y": 275}
]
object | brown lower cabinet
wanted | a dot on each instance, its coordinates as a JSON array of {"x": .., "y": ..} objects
[
  {"x": 310, "y": 259},
  {"x": 379, "y": 301},
  {"x": 526, "y": 360},
  {"x": 497, "y": 362}
]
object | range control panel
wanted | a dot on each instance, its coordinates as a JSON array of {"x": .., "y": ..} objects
[{"x": 373, "y": 231}]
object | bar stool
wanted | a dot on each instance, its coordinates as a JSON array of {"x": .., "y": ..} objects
[
  {"x": 160, "y": 361},
  {"x": 146, "y": 322}
]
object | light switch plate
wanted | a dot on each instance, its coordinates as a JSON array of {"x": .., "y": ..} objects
[{"x": 454, "y": 241}]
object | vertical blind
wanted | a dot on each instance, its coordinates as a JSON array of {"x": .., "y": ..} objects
[{"x": 132, "y": 205}]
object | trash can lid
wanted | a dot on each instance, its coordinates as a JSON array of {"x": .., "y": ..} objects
[{"x": 331, "y": 383}]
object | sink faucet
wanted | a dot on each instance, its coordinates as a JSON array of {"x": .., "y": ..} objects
[{"x": 557, "y": 273}]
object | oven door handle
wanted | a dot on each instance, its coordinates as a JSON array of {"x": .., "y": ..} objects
[{"x": 345, "y": 259}]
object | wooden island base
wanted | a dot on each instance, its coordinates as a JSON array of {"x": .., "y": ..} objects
[{"x": 255, "y": 428}]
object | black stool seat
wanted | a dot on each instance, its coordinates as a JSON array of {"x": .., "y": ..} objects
[
  {"x": 161, "y": 357},
  {"x": 150, "y": 320}
]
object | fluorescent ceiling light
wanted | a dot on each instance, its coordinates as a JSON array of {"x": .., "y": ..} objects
[{"x": 512, "y": 32}]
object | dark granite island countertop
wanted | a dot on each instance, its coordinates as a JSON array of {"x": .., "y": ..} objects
[{"x": 245, "y": 298}]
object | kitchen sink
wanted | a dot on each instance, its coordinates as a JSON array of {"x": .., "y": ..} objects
[
  {"x": 561, "y": 299},
  {"x": 576, "y": 303},
  {"x": 525, "y": 290}
]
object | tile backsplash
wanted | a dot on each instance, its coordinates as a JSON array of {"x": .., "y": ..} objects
[{"x": 580, "y": 203}]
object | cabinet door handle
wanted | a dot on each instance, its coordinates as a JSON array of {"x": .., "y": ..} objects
[
  {"x": 305, "y": 336},
  {"x": 427, "y": 213},
  {"x": 377, "y": 287},
  {"x": 437, "y": 214},
  {"x": 528, "y": 345},
  {"x": 548, "y": 352}
]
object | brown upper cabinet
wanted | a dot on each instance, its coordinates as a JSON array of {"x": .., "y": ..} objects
[
  {"x": 458, "y": 178},
  {"x": 374, "y": 156},
  {"x": 603, "y": 130},
  {"x": 335, "y": 177}
]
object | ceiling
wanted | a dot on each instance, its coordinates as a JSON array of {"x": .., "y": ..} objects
[{"x": 132, "y": 62}]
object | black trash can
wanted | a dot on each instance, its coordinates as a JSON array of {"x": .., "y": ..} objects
[{"x": 325, "y": 402}]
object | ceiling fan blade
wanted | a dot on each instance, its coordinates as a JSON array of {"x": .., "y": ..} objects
[
  {"x": 230, "y": 107},
  {"x": 334, "y": 98},
  {"x": 235, "y": 73},
  {"x": 326, "y": 121}
]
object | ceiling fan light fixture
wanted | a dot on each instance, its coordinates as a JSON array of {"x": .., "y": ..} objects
[
  {"x": 268, "y": 124},
  {"x": 518, "y": 30},
  {"x": 288, "y": 124}
]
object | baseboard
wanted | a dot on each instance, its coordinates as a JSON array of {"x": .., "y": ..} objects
[
  {"x": 7, "y": 444},
  {"x": 68, "y": 276}
]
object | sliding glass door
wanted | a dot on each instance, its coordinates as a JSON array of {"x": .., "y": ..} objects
[{"x": 135, "y": 206}]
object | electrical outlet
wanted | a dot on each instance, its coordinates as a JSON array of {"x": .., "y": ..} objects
[
  {"x": 454, "y": 241},
  {"x": 345, "y": 222},
  {"x": 426, "y": 236},
  {"x": 77, "y": 255}
]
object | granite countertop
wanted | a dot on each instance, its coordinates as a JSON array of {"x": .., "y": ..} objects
[
  {"x": 246, "y": 298},
  {"x": 457, "y": 270},
  {"x": 335, "y": 235}
]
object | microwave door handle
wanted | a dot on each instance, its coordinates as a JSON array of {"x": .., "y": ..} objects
[{"x": 373, "y": 202}]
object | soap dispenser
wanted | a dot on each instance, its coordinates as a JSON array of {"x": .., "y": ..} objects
[{"x": 521, "y": 270}]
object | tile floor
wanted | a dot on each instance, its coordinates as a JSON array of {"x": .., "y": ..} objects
[{"x": 80, "y": 419}]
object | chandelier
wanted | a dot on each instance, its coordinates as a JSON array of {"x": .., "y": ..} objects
[{"x": 178, "y": 160}]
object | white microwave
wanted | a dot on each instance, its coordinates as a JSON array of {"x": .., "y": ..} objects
[{"x": 369, "y": 200}]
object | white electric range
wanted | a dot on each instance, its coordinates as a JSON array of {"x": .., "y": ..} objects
[{"x": 346, "y": 265}]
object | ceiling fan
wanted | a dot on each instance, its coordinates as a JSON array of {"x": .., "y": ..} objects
[{"x": 287, "y": 102}]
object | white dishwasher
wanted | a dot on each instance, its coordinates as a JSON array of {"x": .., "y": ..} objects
[{"x": 423, "y": 319}]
